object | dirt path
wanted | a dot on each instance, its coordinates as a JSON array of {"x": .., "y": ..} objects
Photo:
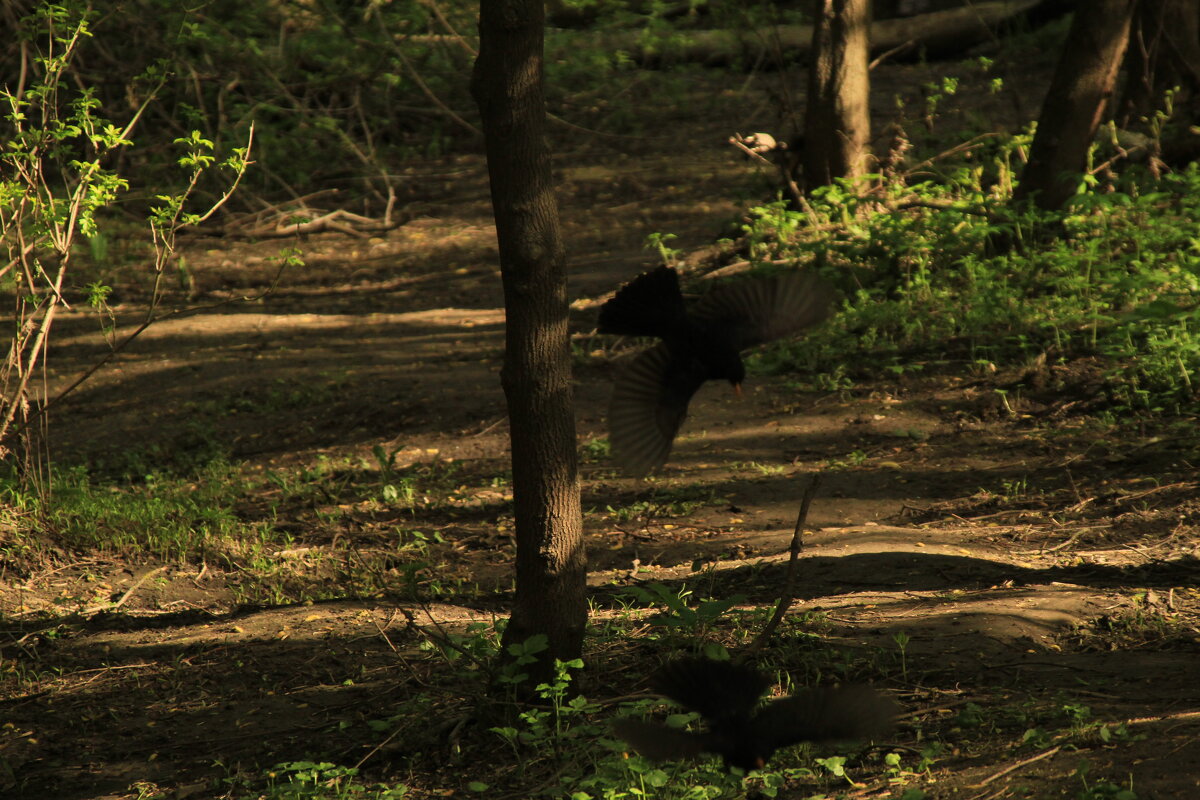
[{"x": 1005, "y": 562}]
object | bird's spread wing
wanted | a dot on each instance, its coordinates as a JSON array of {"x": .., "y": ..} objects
[
  {"x": 813, "y": 715},
  {"x": 658, "y": 742},
  {"x": 758, "y": 310},
  {"x": 717, "y": 689},
  {"x": 649, "y": 305},
  {"x": 650, "y": 399}
]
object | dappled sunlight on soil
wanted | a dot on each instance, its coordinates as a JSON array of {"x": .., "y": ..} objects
[{"x": 989, "y": 564}]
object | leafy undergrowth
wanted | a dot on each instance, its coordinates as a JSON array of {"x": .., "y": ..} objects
[{"x": 1115, "y": 280}]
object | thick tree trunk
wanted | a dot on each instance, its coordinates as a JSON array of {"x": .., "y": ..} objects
[
  {"x": 551, "y": 568},
  {"x": 1080, "y": 90},
  {"x": 837, "y": 122}
]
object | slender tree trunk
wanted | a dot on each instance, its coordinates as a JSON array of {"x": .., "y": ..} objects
[
  {"x": 551, "y": 569},
  {"x": 1079, "y": 92},
  {"x": 837, "y": 123}
]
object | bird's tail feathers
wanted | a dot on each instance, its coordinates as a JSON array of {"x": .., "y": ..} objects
[
  {"x": 714, "y": 688},
  {"x": 658, "y": 742},
  {"x": 828, "y": 714},
  {"x": 649, "y": 305}
]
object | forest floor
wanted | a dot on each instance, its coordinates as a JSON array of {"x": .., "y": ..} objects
[{"x": 1020, "y": 574}]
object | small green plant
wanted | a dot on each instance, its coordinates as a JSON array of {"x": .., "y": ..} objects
[
  {"x": 663, "y": 503},
  {"x": 898, "y": 774},
  {"x": 521, "y": 655},
  {"x": 313, "y": 780},
  {"x": 835, "y": 381},
  {"x": 835, "y": 766},
  {"x": 417, "y": 541},
  {"x": 1083, "y": 725},
  {"x": 851, "y": 460},
  {"x": 934, "y": 94},
  {"x": 558, "y": 724},
  {"x": 678, "y": 612},
  {"x": 971, "y": 716},
  {"x": 902, "y": 639},
  {"x": 658, "y": 243},
  {"x": 1014, "y": 488},
  {"x": 1037, "y": 738},
  {"x": 395, "y": 488},
  {"x": 1100, "y": 789},
  {"x": 596, "y": 449},
  {"x": 478, "y": 645}
]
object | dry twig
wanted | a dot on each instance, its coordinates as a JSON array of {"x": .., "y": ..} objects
[
  {"x": 789, "y": 588},
  {"x": 1014, "y": 767},
  {"x": 125, "y": 597}
]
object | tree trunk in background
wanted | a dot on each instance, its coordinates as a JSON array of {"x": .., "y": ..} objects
[
  {"x": 551, "y": 569},
  {"x": 937, "y": 35},
  {"x": 1079, "y": 92},
  {"x": 837, "y": 122},
  {"x": 1164, "y": 53}
]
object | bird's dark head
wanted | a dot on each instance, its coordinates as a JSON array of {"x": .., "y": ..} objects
[{"x": 727, "y": 366}]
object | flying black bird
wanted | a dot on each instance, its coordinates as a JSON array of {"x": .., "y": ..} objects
[
  {"x": 651, "y": 395},
  {"x": 727, "y": 696}
]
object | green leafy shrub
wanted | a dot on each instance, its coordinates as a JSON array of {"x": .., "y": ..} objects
[{"x": 925, "y": 279}]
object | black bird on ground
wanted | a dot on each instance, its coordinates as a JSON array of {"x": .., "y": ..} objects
[
  {"x": 701, "y": 343},
  {"x": 727, "y": 696}
]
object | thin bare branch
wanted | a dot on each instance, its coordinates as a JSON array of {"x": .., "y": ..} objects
[{"x": 789, "y": 588}]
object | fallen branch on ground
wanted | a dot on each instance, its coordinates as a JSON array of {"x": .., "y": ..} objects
[{"x": 294, "y": 222}]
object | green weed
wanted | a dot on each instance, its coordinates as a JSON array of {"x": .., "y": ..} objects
[
  {"x": 1100, "y": 789},
  {"x": 678, "y": 611},
  {"x": 927, "y": 283},
  {"x": 851, "y": 460},
  {"x": 164, "y": 517},
  {"x": 597, "y": 449},
  {"x": 566, "y": 734},
  {"x": 902, "y": 639},
  {"x": 312, "y": 780},
  {"x": 1084, "y": 726}
]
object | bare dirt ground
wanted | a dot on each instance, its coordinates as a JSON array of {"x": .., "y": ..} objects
[{"x": 1019, "y": 565}]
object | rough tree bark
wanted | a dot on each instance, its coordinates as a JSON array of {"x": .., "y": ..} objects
[
  {"x": 551, "y": 567},
  {"x": 837, "y": 120},
  {"x": 1080, "y": 90}
]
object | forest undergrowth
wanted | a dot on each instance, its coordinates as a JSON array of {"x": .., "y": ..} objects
[{"x": 269, "y": 552}]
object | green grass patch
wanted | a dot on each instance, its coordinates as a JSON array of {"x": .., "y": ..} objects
[{"x": 164, "y": 518}]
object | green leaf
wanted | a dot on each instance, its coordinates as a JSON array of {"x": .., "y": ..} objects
[{"x": 656, "y": 778}]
